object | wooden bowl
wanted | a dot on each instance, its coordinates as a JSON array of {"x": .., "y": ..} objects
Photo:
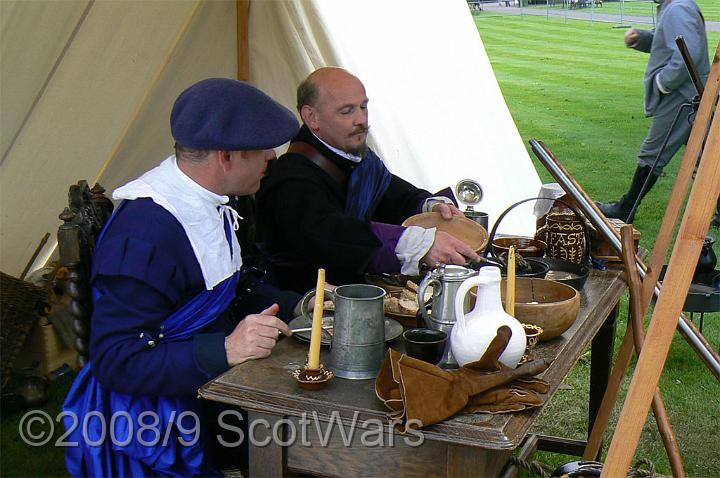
[
  {"x": 545, "y": 303},
  {"x": 468, "y": 231},
  {"x": 525, "y": 246}
]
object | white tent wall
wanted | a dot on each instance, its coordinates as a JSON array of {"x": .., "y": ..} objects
[
  {"x": 437, "y": 114},
  {"x": 205, "y": 47},
  {"x": 103, "y": 115},
  {"x": 27, "y": 64},
  {"x": 87, "y": 87}
]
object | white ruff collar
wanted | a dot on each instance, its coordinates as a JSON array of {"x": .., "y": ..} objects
[
  {"x": 340, "y": 152},
  {"x": 200, "y": 212}
]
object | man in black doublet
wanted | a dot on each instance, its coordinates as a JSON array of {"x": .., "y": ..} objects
[{"x": 330, "y": 202}]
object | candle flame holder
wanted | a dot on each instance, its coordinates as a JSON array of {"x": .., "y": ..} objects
[
  {"x": 532, "y": 332},
  {"x": 310, "y": 379}
]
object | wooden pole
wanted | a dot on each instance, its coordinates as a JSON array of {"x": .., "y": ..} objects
[
  {"x": 662, "y": 245},
  {"x": 622, "y": 362},
  {"x": 694, "y": 227},
  {"x": 684, "y": 177},
  {"x": 43, "y": 241},
  {"x": 243, "y": 51},
  {"x": 636, "y": 324}
]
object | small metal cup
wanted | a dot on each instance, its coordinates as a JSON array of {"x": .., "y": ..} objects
[{"x": 479, "y": 217}]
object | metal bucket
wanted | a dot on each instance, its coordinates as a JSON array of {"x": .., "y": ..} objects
[{"x": 358, "y": 344}]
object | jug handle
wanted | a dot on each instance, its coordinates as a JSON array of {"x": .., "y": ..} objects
[
  {"x": 421, "y": 297},
  {"x": 304, "y": 303},
  {"x": 464, "y": 288},
  {"x": 541, "y": 234}
]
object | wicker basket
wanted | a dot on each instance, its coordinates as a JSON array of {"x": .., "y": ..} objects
[{"x": 21, "y": 305}]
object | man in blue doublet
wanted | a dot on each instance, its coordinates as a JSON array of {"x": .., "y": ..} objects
[{"x": 166, "y": 314}]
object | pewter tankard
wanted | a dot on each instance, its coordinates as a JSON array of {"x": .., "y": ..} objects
[
  {"x": 445, "y": 281},
  {"x": 357, "y": 348}
]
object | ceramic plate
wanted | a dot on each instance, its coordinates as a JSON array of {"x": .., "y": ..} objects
[{"x": 393, "y": 328}]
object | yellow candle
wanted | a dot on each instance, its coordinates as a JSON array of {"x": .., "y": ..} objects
[
  {"x": 510, "y": 295},
  {"x": 316, "y": 337}
]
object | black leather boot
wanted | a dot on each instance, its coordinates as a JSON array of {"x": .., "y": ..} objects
[{"x": 621, "y": 209}]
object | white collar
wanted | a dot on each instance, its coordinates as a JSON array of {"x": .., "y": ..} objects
[
  {"x": 199, "y": 211},
  {"x": 344, "y": 154}
]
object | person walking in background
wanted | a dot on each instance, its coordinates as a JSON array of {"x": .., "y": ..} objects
[{"x": 667, "y": 86}]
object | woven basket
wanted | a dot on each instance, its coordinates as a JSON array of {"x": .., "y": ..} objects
[{"x": 21, "y": 305}]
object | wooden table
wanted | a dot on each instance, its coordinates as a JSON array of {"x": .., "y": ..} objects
[{"x": 342, "y": 430}]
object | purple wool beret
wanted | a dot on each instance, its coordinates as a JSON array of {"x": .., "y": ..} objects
[{"x": 230, "y": 115}]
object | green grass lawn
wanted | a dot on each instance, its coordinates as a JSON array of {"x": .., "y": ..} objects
[
  {"x": 584, "y": 98},
  {"x": 710, "y": 8},
  {"x": 635, "y": 7},
  {"x": 19, "y": 459}
]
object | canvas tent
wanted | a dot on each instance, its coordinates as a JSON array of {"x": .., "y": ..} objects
[{"x": 86, "y": 89}]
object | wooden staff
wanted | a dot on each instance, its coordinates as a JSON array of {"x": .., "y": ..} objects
[
  {"x": 632, "y": 338},
  {"x": 662, "y": 245},
  {"x": 242, "y": 10},
  {"x": 693, "y": 229},
  {"x": 638, "y": 332}
]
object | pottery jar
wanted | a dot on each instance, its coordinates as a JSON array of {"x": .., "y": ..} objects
[{"x": 472, "y": 333}]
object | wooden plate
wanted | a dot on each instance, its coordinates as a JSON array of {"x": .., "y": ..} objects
[{"x": 470, "y": 232}]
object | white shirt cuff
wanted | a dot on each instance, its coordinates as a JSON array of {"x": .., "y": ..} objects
[
  {"x": 414, "y": 243},
  {"x": 430, "y": 203},
  {"x": 659, "y": 85}
]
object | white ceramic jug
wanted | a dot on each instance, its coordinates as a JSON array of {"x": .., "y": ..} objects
[{"x": 474, "y": 331}]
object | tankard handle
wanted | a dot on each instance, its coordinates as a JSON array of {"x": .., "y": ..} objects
[
  {"x": 306, "y": 301},
  {"x": 422, "y": 307}
]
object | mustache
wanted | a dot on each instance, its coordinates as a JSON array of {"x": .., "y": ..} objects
[{"x": 360, "y": 129}]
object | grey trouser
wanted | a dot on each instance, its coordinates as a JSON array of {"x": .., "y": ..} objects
[{"x": 664, "y": 116}]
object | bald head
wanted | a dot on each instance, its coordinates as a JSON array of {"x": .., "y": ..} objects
[
  {"x": 333, "y": 104},
  {"x": 327, "y": 78}
]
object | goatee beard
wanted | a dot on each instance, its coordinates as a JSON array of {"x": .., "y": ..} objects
[{"x": 359, "y": 151}]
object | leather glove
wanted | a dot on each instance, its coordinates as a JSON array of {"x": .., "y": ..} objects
[
  {"x": 519, "y": 395},
  {"x": 426, "y": 394}
]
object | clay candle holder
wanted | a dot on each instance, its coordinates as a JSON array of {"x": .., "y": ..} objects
[
  {"x": 310, "y": 379},
  {"x": 532, "y": 333}
]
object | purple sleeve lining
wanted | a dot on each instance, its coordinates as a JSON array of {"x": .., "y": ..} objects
[{"x": 384, "y": 259}]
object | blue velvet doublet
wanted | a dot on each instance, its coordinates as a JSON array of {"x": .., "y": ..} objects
[{"x": 157, "y": 335}]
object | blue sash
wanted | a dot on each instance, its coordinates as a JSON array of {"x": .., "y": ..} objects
[
  {"x": 157, "y": 450},
  {"x": 366, "y": 185}
]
